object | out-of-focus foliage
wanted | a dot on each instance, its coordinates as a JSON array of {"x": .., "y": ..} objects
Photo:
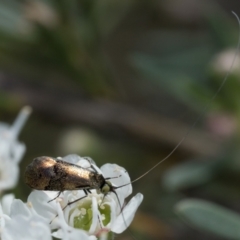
[
  {"x": 60, "y": 40},
  {"x": 181, "y": 63},
  {"x": 157, "y": 58},
  {"x": 210, "y": 217}
]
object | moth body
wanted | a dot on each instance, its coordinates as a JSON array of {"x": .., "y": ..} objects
[{"x": 47, "y": 173}]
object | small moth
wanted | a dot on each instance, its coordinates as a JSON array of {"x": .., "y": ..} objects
[
  {"x": 50, "y": 174},
  {"x": 47, "y": 173}
]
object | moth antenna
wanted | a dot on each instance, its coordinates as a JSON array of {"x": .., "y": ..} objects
[
  {"x": 203, "y": 111},
  {"x": 113, "y": 177}
]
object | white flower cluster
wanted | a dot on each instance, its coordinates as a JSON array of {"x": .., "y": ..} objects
[
  {"x": 91, "y": 217},
  {"x": 13, "y": 213},
  {"x": 11, "y": 151},
  {"x": 20, "y": 221},
  {"x": 94, "y": 214}
]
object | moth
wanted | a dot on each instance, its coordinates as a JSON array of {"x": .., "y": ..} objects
[
  {"x": 54, "y": 174},
  {"x": 47, "y": 173}
]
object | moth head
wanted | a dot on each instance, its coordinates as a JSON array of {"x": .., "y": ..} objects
[{"x": 107, "y": 187}]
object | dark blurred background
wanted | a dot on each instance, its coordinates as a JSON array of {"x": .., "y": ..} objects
[{"x": 122, "y": 81}]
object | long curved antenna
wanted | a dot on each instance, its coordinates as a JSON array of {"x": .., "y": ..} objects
[{"x": 201, "y": 115}]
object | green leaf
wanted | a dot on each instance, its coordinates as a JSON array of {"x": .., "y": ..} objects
[
  {"x": 210, "y": 217},
  {"x": 188, "y": 174},
  {"x": 174, "y": 61}
]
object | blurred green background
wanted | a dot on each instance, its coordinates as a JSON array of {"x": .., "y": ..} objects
[{"x": 122, "y": 81}]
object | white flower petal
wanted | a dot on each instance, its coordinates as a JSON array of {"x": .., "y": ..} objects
[
  {"x": 72, "y": 234},
  {"x": 120, "y": 177},
  {"x": 19, "y": 208},
  {"x": 84, "y": 162},
  {"x": 20, "y": 121},
  {"x": 19, "y": 150},
  {"x": 3, "y": 218},
  {"x": 11, "y": 151},
  {"x": 3, "y": 127},
  {"x": 95, "y": 215},
  {"x": 113, "y": 207},
  {"x": 9, "y": 172},
  {"x": 124, "y": 219},
  {"x": 59, "y": 221},
  {"x": 6, "y": 203},
  {"x": 23, "y": 228},
  {"x": 72, "y": 158},
  {"x": 39, "y": 201}
]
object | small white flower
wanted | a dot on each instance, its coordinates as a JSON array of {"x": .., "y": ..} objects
[
  {"x": 26, "y": 228},
  {"x": 11, "y": 151},
  {"x": 94, "y": 213},
  {"x": 21, "y": 221}
]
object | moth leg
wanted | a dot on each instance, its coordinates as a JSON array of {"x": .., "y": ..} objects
[
  {"x": 91, "y": 163},
  {"x": 86, "y": 191},
  {"x": 69, "y": 203},
  {"x": 55, "y": 197}
]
